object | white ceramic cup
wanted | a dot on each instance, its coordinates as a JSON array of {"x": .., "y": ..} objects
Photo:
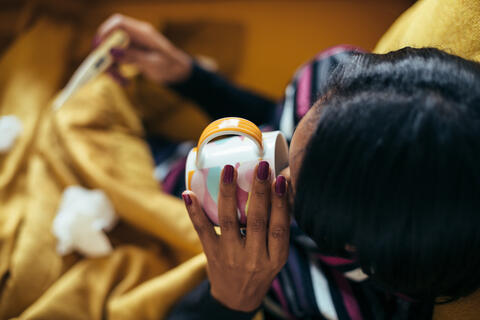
[{"x": 237, "y": 142}]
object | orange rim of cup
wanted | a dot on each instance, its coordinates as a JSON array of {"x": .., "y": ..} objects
[
  {"x": 227, "y": 126},
  {"x": 231, "y": 125}
]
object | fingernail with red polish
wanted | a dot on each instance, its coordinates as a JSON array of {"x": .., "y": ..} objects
[
  {"x": 117, "y": 53},
  {"x": 187, "y": 199},
  {"x": 263, "y": 170},
  {"x": 280, "y": 185},
  {"x": 228, "y": 174}
]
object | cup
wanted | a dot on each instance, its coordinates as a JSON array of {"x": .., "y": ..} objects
[{"x": 237, "y": 142}]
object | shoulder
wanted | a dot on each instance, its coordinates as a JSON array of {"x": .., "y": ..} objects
[
  {"x": 318, "y": 69},
  {"x": 309, "y": 83}
]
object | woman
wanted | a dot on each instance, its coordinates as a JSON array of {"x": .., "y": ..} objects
[{"x": 383, "y": 169}]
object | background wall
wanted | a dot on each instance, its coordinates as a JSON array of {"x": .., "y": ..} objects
[{"x": 270, "y": 38}]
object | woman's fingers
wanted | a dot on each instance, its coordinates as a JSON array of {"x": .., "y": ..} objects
[
  {"x": 152, "y": 53},
  {"x": 141, "y": 33},
  {"x": 227, "y": 207},
  {"x": 279, "y": 226},
  {"x": 147, "y": 62},
  {"x": 150, "y": 63},
  {"x": 202, "y": 224},
  {"x": 131, "y": 55},
  {"x": 258, "y": 211}
]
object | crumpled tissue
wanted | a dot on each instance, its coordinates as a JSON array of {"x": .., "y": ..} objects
[
  {"x": 10, "y": 129},
  {"x": 81, "y": 220}
]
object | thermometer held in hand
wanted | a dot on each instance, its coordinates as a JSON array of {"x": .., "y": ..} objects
[{"x": 96, "y": 62}]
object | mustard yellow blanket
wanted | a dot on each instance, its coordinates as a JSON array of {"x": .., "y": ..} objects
[
  {"x": 95, "y": 140},
  {"x": 450, "y": 25}
]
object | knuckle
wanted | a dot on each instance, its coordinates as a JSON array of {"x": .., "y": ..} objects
[
  {"x": 147, "y": 27},
  {"x": 231, "y": 263},
  {"x": 150, "y": 28},
  {"x": 278, "y": 232},
  {"x": 227, "y": 192},
  {"x": 117, "y": 16},
  {"x": 226, "y": 223},
  {"x": 280, "y": 203},
  {"x": 117, "y": 20},
  {"x": 259, "y": 192},
  {"x": 261, "y": 187},
  {"x": 201, "y": 229},
  {"x": 252, "y": 267},
  {"x": 214, "y": 263},
  {"x": 258, "y": 225}
]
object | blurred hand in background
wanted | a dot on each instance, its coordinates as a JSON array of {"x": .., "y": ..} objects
[{"x": 151, "y": 52}]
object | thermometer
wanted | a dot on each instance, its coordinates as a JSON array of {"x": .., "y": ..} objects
[{"x": 96, "y": 62}]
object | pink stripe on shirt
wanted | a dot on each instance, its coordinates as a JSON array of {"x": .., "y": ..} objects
[
  {"x": 304, "y": 82},
  {"x": 168, "y": 184},
  {"x": 334, "y": 261},
  {"x": 349, "y": 301},
  {"x": 304, "y": 89},
  {"x": 277, "y": 288}
]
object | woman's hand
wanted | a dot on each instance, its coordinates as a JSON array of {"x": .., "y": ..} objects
[
  {"x": 154, "y": 55},
  {"x": 241, "y": 269}
]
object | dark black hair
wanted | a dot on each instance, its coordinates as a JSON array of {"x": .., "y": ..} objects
[{"x": 393, "y": 170}]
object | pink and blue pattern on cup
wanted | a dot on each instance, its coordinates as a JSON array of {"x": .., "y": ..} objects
[{"x": 205, "y": 184}]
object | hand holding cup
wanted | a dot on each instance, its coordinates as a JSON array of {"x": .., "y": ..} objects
[{"x": 242, "y": 268}]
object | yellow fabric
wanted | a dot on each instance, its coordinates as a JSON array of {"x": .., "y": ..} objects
[
  {"x": 450, "y": 25},
  {"x": 95, "y": 140},
  {"x": 453, "y": 26}
]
